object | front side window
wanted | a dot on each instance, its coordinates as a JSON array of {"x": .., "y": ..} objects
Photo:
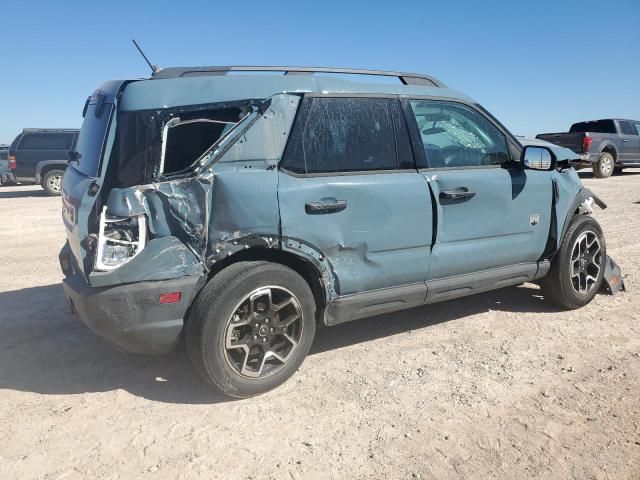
[
  {"x": 454, "y": 135},
  {"x": 637, "y": 125},
  {"x": 345, "y": 135}
]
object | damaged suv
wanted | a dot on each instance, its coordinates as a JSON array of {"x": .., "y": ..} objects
[{"x": 241, "y": 210}]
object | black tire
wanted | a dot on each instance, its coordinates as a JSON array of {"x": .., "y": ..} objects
[
  {"x": 558, "y": 285},
  {"x": 604, "y": 166},
  {"x": 52, "y": 182},
  {"x": 215, "y": 309}
]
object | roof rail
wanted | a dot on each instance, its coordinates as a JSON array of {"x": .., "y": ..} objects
[
  {"x": 405, "y": 78},
  {"x": 51, "y": 130}
]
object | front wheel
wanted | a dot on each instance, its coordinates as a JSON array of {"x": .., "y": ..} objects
[
  {"x": 251, "y": 327},
  {"x": 52, "y": 182},
  {"x": 603, "y": 167},
  {"x": 577, "y": 269}
]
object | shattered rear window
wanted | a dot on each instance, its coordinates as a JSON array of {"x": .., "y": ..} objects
[
  {"x": 138, "y": 156},
  {"x": 190, "y": 136}
]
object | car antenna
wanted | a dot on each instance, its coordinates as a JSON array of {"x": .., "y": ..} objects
[{"x": 154, "y": 68}]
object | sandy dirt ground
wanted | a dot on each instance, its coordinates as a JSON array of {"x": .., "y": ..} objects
[{"x": 493, "y": 386}]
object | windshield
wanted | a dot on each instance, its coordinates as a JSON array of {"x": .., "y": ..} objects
[{"x": 91, "y": 140}]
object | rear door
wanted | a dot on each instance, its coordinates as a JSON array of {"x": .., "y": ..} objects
[
  {"x": 91, "y": 146},
  {"x": 348, "y": 186},
  {"x": 630, "y": 151},
  {"x": 493, "y": 216},
  {"x": 636, "y": 156}
]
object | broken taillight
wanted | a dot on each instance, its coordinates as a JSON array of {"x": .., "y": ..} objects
[
  {"x": 586, "y": 143},
  {"x": 12, "y": 162},
  {"x": 119, "y": 240}
]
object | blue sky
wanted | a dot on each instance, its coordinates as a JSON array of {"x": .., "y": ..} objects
[{"x": 537, "y": 66}]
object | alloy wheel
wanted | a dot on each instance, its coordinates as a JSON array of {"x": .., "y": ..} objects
[
  {"x": 586, "y": 261},
  {"x": 263, "y": 332}
]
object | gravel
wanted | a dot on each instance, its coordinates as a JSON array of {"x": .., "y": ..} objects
[{"x": 496, "y": 385}]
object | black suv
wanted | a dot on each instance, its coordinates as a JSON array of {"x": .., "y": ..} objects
[{"x": 40, "y": 155}]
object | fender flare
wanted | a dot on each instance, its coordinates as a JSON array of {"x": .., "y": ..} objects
[
  {"x": 229, "y": 247},
  {"x": 608, "y": 144},
  {"x": 45, "y": 163},
  {"x": 575, "y": 205}
]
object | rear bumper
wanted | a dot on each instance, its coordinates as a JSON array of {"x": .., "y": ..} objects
[
  {"x": 131, "y": 316},
  {"x": 7, "y": 177},
  {"x": 586, "y": 160}
]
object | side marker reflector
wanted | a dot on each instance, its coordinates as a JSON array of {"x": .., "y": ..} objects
[{"x": 173, "y": 297}]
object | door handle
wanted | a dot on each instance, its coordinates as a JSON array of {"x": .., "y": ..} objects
[
  {"x": 459, "y": 193},
  {"x": 625, "y": 140},
  {"x": 320, "y": 208}
]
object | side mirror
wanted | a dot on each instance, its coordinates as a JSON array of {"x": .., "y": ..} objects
[{"x": 538, "y": 158}]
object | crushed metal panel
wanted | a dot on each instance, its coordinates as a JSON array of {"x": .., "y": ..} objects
[
  {"x": 266, "y": 139},
  {"x": 162, "y": 259},
  {"x": 613, "y": 279},
  {"x": 226, "y": 206}
]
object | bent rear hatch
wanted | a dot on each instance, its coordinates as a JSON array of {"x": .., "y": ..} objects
[{"x": 82, "y": 178}]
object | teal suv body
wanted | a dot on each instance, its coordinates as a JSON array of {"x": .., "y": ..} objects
[{"x": 241, "y": 211}]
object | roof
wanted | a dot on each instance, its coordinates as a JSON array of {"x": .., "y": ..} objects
[{"x": 174, "y": 87}]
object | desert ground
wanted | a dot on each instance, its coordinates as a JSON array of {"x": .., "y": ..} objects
[{"x": 499, "y": 385}]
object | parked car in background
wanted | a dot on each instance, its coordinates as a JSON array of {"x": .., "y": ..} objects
[
  {"x": 242, "y": 211},
  {"x": 606, "y": 145},
  {"x": 6, "y": 175},
  {"x": 41, "y": 155}
]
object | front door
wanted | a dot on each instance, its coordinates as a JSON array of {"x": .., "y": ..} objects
[
  {"x": 493, "y": 216},
  {"x": 348, "y": 186}
]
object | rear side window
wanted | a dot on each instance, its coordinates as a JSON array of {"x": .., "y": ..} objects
[
  {"x": 637, "y": 127},
  {"x": 597, "y": 126},
  {"x": 345, "y": 135},
  {"x": 191, "y": 135},
  {"x": 46, "y": 141}
]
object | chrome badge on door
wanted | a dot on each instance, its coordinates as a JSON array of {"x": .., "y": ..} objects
[{"x": 534, "y": 219}]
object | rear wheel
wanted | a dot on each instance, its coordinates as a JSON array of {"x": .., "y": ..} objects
[
  {"x": 52, "y": 182},
  {"x": 603, "y": 167},
  {"x": 577, "y": 269},
  {"x": 251, "y": 327}
]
